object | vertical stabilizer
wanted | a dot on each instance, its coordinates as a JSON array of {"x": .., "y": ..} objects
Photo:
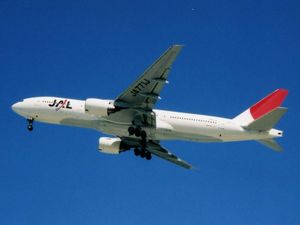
[{"x": 261, "y": 108}]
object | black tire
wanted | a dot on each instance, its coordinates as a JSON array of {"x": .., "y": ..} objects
[
  {"x": 131, "y": 130},
  {"x": 137, "y": 152},
  {"x": 30, "y": 127},
  {"x": 30, "y": 120},
  {"x": 143, "y": 154},
  {"x": 148, "y": 156},
  {"x": 143, "y": 134},
  {"x": 137, "y": 132}
]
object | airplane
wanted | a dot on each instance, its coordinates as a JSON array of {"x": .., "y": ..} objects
[{"x": 135, "y": 125}]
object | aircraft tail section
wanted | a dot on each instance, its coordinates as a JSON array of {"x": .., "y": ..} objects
[
  {"x": 267, "y": 121},
  {"x": 272, "y": 144},
  {"x": 264, "y": 114}
]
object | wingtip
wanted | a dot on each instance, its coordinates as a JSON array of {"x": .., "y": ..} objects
[
  {"x": 194, "y": 168},
  {"x": 177, "y": 46}
]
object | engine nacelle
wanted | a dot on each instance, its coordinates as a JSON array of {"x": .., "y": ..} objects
[
  {"x": 99, "y": 107},
  {"x": 110, "y": 145}
]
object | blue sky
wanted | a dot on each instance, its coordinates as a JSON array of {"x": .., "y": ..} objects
[{"x": 235, "y": 53}]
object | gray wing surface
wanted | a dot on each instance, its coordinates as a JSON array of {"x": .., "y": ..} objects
[
  {"x": 163, "y": 153},
  {"x": 156, "y": 149},
  {"x": 139, "y": 99},
  {"x": 144, "y": 92}
]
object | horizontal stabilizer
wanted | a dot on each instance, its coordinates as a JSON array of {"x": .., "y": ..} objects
[
  {"x": 267, "y": 121},
  {"x": 272, "y": 144}
]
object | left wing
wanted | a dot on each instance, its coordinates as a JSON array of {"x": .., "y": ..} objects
[
  {"x": 156, "y": 149},
  {"x": 144, "y": 92}
]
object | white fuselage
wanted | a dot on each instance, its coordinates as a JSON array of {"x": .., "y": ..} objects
[{"x": 168, "y": 126}]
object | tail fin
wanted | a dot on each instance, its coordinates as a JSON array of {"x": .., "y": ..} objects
[{"x": 264, "y": 113}]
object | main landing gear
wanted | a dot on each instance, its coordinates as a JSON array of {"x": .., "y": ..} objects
[
  {"x": 30, "y": 124},
  {"x": 138, "y": 132},
  {"x": 142, "y": 152}
]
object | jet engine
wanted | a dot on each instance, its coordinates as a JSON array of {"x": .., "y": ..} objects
[
  {"x": 99, "y": 107},
  {"x": 111, "y": 145}
]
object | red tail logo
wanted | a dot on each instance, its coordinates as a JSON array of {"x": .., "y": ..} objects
[{"x": 268, "y": 103}]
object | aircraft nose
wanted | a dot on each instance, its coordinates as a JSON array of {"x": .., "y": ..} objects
[{"x": 16, "y": 107}]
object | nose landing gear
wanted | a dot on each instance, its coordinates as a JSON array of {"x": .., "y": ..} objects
[{"x": 30, "y": 124}]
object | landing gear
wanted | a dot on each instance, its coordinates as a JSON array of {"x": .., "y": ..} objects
[
  {"x": 143, "y": 153},
  {"x": 30, "y": 127},
  {"x": 137, "y": 152},
  {"x": 137, "y": 131},
  {"x": 143, "y": 135},
  {"x": 30, "y": 124},
  {"x": 131, "y": 131},
  {"x": 148, "y": 155},
  {"x": 134, "y": 131}
]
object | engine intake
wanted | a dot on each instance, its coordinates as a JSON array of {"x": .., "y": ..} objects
[
  {"x": 111, "y": 145},
  {"x": 99, "y": 107}
]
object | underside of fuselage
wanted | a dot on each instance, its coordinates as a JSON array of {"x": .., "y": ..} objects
[{"x": 186, "y": 132}]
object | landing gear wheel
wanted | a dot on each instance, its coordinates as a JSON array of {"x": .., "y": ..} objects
[
  {"x": 137, "y": 152},
  {"x": 131, "y": 130},
  {"x": 137, "y": 132},
  {"x": 30, "y": 127},
  {"x": 148, "y": 155},
  {"x": 143, "y": 135},
  {"x": 143, "y": 154}
]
